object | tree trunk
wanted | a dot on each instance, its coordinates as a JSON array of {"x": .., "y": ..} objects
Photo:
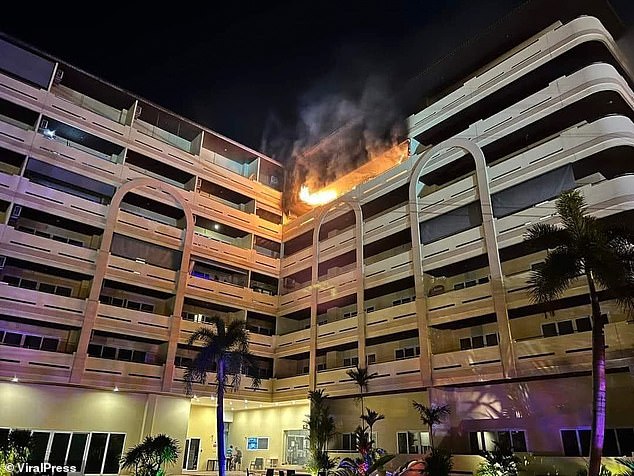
[
  {"x": 220, "y": 423},
  {"x": 598, "y": 381},
  {"x": 431, "y": 436},
  {"x": 362, "y": 424}
]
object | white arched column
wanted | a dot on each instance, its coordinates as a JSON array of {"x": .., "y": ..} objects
[
  {"x": 351, "y": 202},
  {"x": 101, "y": 266},
  {"x": 490, "y": 239}
]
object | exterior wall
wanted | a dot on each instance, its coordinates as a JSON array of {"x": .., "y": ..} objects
[
  {"x": 59, "y": 408},
  {"x": 268, "y": 422}
]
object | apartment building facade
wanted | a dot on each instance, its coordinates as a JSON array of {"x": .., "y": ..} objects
[{"x": 125, "y": 227}]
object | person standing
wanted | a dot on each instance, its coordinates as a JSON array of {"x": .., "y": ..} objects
[
  {"x": 237, "y": 459},
  {"x": 229, "y": 457}
]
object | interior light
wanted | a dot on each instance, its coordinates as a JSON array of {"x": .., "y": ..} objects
[
  {"x": 115, "y": 389},
  {"x": 216, "y": 226},
  {"x": 15, "y": 379},
  {"x": 49, "y": 133}
]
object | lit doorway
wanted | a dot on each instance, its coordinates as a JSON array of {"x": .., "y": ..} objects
[{"x": 190, "y": 455}]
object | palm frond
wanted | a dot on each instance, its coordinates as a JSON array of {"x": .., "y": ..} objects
[
  {"x": 550, "y": 280},
  {"x": 544, "y": 235}
]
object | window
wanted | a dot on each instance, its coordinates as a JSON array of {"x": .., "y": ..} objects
[
  {"x": 182, "y": 361},
  {"x": 108, "y": 352},
  {"x": 94, "y": 350},
  {"x": 560, "y": 328},
  {"x": 125, "y": 354},
  {"x": 412, "y": 442},
  {"x": 406, "y": 353},
  {"x": 50, "y": 344},
  {"x": 576, "y": 442},
  {"x": 484, "y": 440},
  {"x": 617, "y": 442},
  {"x": 12, "y": 338},
  {"x": 63, "y": 291},
  {"x": 349, "y": 314},
  {"x": 348, "y": 442},
  {"x": 11, "y": 280},
  {"x": 370, "y": 309},
  {"x": 46, "y": 288},
  {"x": 28, "y": 284},
  {"x": 370, "y": 358},
  {"x": 350, "y": 361},
  {"x": 477, "y": 342},
  {"x": 32, "y": 342},
  {"x": 320, "y": 367},
  {"x": 257, "y": 443}
]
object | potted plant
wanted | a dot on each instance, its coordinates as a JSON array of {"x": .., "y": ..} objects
[{"x": 150, "y": 457}]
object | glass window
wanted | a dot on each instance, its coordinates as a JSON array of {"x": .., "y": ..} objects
[
  {"x": 47, "y": 288},
  {"x": 108, "y": 352},
  {"x": 76, "y": 450},
  {"x": 570, "y": 442},
  {"x": 59, "y": 447},
  {"x": 49, "y": 344},
  {"x": 549, "y": 330},
  {"x": 32, "y": 342},
  {"x": 139, "y": 356},
  {"x": 583, "y": 324},
  {"x": 28, "y": 284},
  {"x": 113, "y": 455},
  {"x": 63, "y": 291},
  {"x": 12, "y": 338},
  {"x": 11, "y": 280},
  {"x": 40, "y": 443},
  {"x": 94, "y": 350},
  {"x": 565, "y": 327},
  {"x": 125, "y": 354},
  {"x": 478, "y": 342},
  {"x": 518, "y": 440},
  {"x": 584, "y": 440},
  {"x": 465, "y": 343},
  {"x": 626, "y": 440},
  {"x": 96, "y": 452},
  {"x": 401, "y": 438},
  {"x": 492, "y": 339},
  {"x": 610, "y": 447}
]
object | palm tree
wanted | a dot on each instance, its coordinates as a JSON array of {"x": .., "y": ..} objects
[
  {"x": 431, "y": 416},
  {"x": 361, "y": 376},
  {"x": 370, "y": 417},
  {"x": 225, "y": 352},
  {"x": 321, "y": 429},
  {"x": 582, "y": 246},
  {"x": 149, "y": 457}
]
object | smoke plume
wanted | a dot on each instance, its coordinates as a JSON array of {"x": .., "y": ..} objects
[{"x": 335, "y": 133}]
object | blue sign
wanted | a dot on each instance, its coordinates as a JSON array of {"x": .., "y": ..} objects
[{"x": 252, "y": 443}]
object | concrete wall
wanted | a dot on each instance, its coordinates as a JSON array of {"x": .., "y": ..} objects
[
  {"x": 43, "y": 407},
  {"x": 260, "y": 422}
]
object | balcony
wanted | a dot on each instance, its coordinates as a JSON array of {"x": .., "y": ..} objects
[
  {"x": 131, "y": 272},
  {"x": 66, "y": 205},
  {"x": 297, "y": 261},
  {"x": 40, "y": 306},
  {"x": 461, "y": 304},
  {"x": 529, "y": 57},
  {"x": 36, "y": 365},
  {"x": 296, "y": 300},
  {"x": 263, "y": 392},
  {"x": 395, "y": 375},
  {"x": 337, "y": 332},
  {"x": 151, "y": 139},
  {"x": 125, "y": 375},
  {"x": 89, "y": 112},
  {"x": 390, "y": 269},
  {"x": 22, "y": 93},
  {"x": 390, "y": 320},
  {"x": 340, "y": 285},
  {"x": 235, "y": 295},
  {"x": 47, "y": 251},
  {"x": 16, "y": 138},
  {"x": 127, "y": 321},
  {"x": 337, "y": 245},
  {"x": 292, "y": 343},
  {"x": 572, "y": 352},
  {"x": 517, "y": 289},
  {"x": 463, "y": 366},
  {"x": 291, "y": 387},
  {"x": 149, "y": 230},
  {"x": 337, "y": 381}
]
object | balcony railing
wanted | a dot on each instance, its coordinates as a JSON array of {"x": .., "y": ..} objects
[
  {"x": 125, "y": 375},
  {"x": 128, "y": 321},
  {"x": 467, "y": 365},
  {"x": 42, "y": 306},
  {"x": 36, "y": 365},
  {"x": 460, "y": 304}
]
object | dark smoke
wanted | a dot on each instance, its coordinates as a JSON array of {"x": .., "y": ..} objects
[{"x": 336, "y": 132}]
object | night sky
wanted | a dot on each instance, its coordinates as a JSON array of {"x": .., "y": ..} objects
[{"x": 248, "y": 69}]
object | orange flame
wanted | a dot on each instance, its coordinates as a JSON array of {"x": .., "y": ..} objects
[{"x": 316, "y": 198}]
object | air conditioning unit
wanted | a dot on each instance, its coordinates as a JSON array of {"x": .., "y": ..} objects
[
  {"x": 138, "y": 112},
  {"x": 43, "y": 124},
  {"x": 3, "y": 261},
  {"x": 59, "y": 74}
]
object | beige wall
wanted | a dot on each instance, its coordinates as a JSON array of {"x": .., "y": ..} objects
[
  {"x": 45, "y": 407},
  {"x": 262, "y": 422}
]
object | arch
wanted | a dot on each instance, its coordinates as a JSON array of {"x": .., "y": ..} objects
[
  {"x": 490, "y": 239},
  {"x": 321, "y": 214},
  {"x": 101, "y": 265}
]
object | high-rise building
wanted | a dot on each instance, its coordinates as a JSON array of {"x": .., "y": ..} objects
[{"x": 126, "y": 227}]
